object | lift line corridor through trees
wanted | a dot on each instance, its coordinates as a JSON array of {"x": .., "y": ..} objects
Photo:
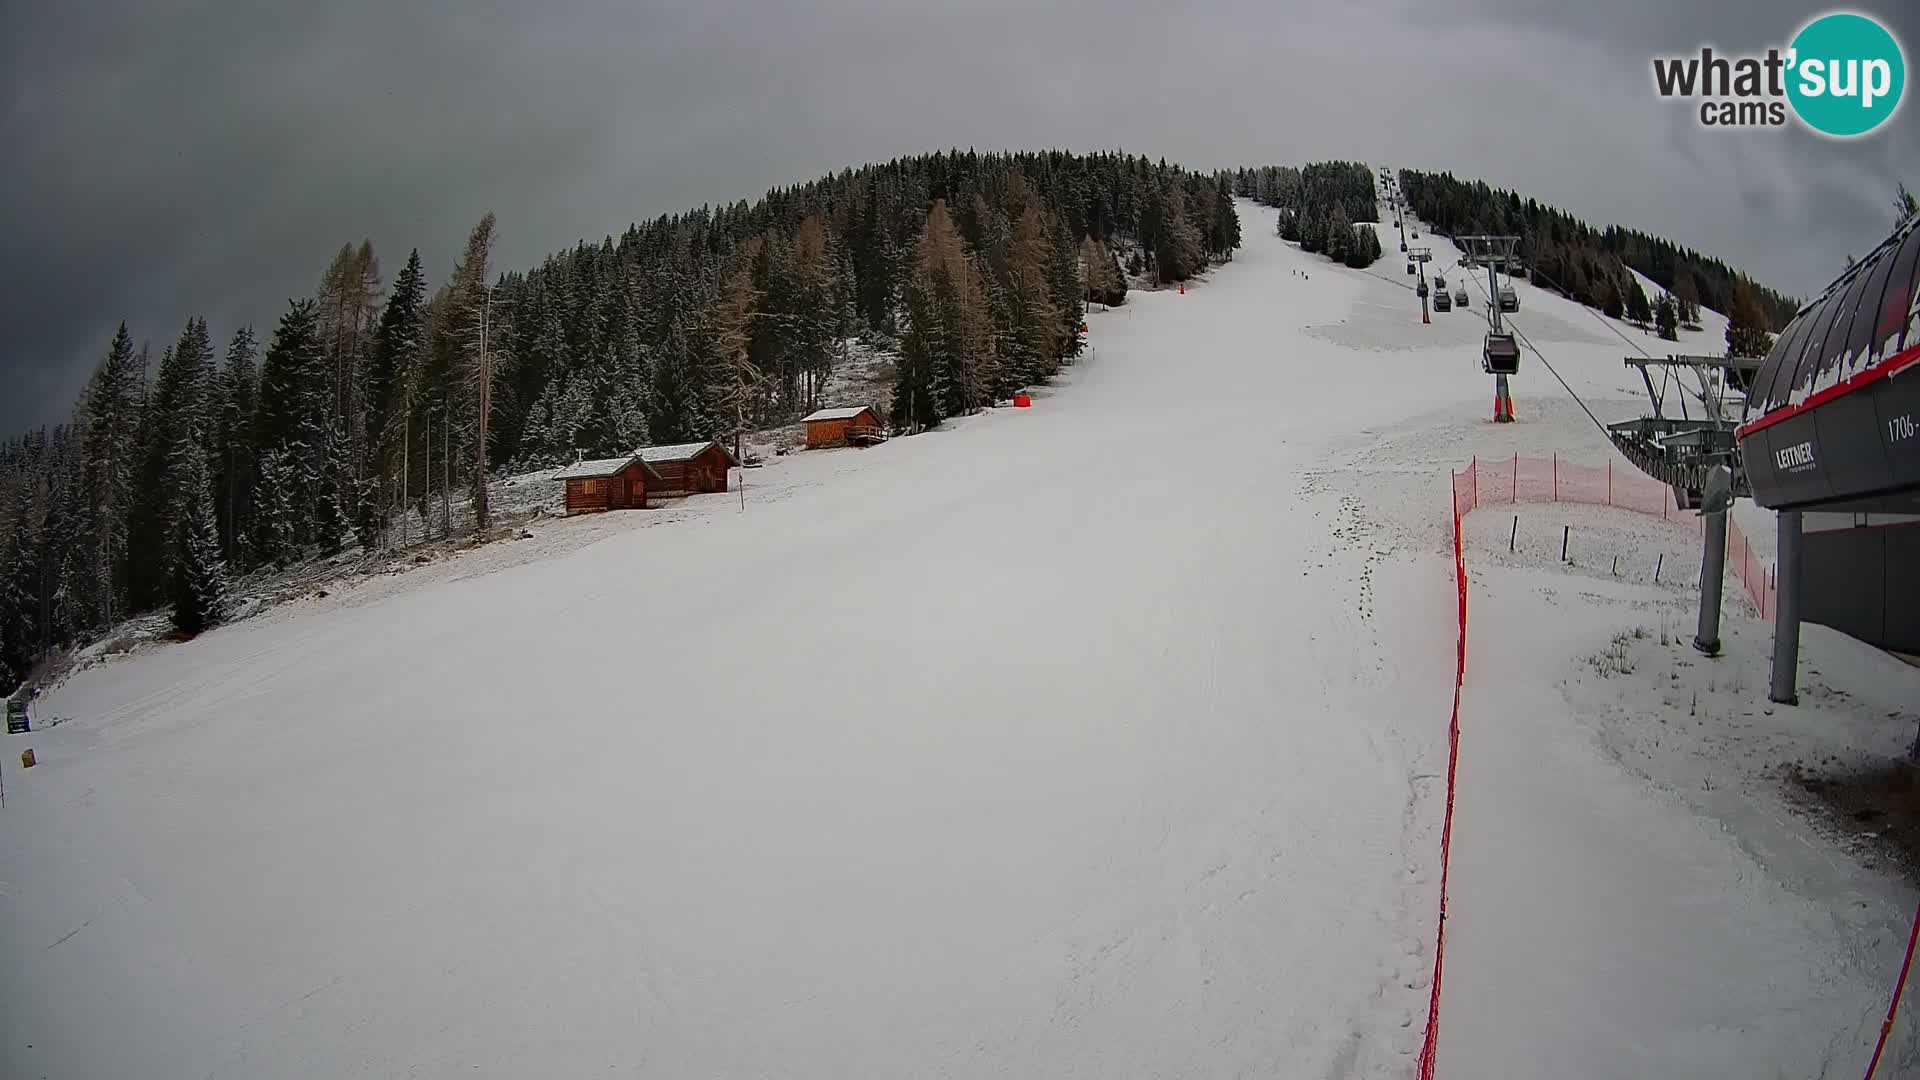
[{"x": 1500, "y": 354}]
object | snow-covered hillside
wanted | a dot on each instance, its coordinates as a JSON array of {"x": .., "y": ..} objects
[{"x": 1101, "y": 738}]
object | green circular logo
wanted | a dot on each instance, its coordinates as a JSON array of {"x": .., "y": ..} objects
[{"x": 1846, "y": 74}]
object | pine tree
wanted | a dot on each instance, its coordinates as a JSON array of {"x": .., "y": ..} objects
[
  {"x": 396, "y": 342},
  {"x": 1009, "y": 336},
  {"x": 679, "y": 408},
  {"x": 1747, "y": 323},
  {"x": 1607, "y": 290},
  {"x": 1226, "y": 226},
  {"x": 233, "y": 465},
  {"x": 816, "y": 307},
  {"x": 947, "y": 346},
  {"x": 1176, "y": 252},
  {"x": 1686, "y": 298},
  {"x": 1638, "y": 308},
  {"x": 777, "y": 324},
  {"x": 545, "y": 352},
  {"x": 469, "y": 310},
  {"x": 68, "y": 593},
  {"x": 275, "y": 521},
  {"x": 962, "y": 386},
  {"x": 1034, "y": 322},
  {"x": 1288, "y": 225},
  {"x": 1905, "y": 205},
  {"x": 19, "y": 635},
  {"x": 1363, "y": 247},
  {"x": 1095, "y": 270},
  {"x": 178, "y": 412},
  {"x": 199, "y": 573},
  {"x": 1068, "y": 293},
  {"x": 538, "y": 443},
  {"x": 736, "y": 387},
  {"x": 112, "y": 409},
  {"x": 919, "y": 396},
  {"x": 344, "y": 312},
  {"x": 1581, "y": 285},
  {"x": 845, "y": 295},
  {"x": 1666, "y": 319},
  {"x": 332, "y": 492},
  {"x": 1117, "y": 293},
  {"x": 291, "y": 422},
  {"x": 1339, "y": 234}
]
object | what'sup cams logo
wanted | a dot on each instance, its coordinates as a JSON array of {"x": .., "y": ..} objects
[{"x": 1842, "y": 75}]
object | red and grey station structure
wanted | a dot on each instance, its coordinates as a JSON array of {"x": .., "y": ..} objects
[{"x": 1830, "y": 440}]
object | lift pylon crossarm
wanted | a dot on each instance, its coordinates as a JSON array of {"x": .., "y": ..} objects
[
  {"x": 1495, "y": 252},
  {"x": 1741, "y": 363},
  {"x": 1489, "y": 247},
  {"x": 1712, "y": 394},
  {"x": 1682, "y": 451}
]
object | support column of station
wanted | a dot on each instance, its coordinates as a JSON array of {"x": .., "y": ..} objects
[{"x": 1786, "y": 618}]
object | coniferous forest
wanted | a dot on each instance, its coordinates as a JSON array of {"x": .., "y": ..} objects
[
  {"x": 1589, "y": 265},
  {"x": 1323, "y": 207},
  {"x": 379, "y": 398}
]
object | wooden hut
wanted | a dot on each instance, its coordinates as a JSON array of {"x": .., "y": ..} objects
[
  {"x": 856, "y": 426},
  {"x": 608, "y": 484},
  {"x": 689, "y": 468}
]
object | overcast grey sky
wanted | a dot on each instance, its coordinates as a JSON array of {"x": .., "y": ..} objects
[{"x": 208, "y": 156}]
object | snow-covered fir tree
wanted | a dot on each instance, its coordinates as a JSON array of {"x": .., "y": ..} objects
[
  {"x": 1666, "y": 320},
  {"x": 111, "y": 409},
  {"x": 396, "y": 344},
  {"x": 231, "y": 461},
  {"x": 199, "y": 572}
]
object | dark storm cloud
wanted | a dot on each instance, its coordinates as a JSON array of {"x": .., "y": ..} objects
[
  {"x": 171, "y": 159},
  {"x": 1809, "y": 199}
]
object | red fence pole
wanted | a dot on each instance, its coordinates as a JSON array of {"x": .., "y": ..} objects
[
  {"x": 1609, "y": 483},
  {"x": 1556, "y": 476},
  {"x": 1516, "y": 479}
]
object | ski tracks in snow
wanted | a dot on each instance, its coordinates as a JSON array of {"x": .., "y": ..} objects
[
  {"x": 1375, "y": 554},
  {"x": 1088, "y": 740}
]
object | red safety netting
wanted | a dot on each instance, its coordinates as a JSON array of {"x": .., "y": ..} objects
[
  {"x": 1756, "y": 576},
  {"x": 1522, "y": 479},
  {"x": 1518, "y": 479},
  {"x": 1429, "y": 1046}
]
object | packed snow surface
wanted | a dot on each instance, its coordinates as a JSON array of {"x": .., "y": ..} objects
[{"x": 1101, "y": 738}]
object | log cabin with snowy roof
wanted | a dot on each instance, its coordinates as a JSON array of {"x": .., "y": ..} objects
[
  {"x": 856, "y": 426},
  {"x": 688, "y": 468},
  {"x": 619, "y": 483}
]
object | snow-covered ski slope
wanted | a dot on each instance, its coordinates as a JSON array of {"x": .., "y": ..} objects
[{"x": 1102, "y": 738}]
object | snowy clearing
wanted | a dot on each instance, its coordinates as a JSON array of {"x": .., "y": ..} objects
[
  {"x": 1658, "y": 906},
  {"x": 1101, "y": 738}
]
